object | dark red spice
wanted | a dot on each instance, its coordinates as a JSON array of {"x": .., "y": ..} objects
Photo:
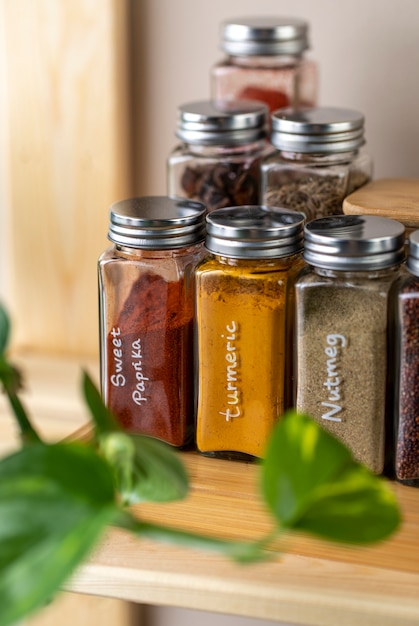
[
  {"x": 407, "y": 445},
  {"x": 150, "y": 361}
]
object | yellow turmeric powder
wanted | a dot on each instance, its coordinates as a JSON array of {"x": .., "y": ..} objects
[{"x": 243, "y": 348}]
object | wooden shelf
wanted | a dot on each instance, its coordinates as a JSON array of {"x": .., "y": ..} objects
[{"x": 311, "y": 582}]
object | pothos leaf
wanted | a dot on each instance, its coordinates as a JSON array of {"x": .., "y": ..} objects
[
  {"x": 55, "y": 502},
  {"x": 145, "y": 469},
  {"x": 103, "y": 418},
  {"x": 311, "y": 482}
]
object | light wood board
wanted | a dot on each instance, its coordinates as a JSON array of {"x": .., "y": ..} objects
[
  {"x": 66, "y": 147},
  {"x": 396, "y": 198}
]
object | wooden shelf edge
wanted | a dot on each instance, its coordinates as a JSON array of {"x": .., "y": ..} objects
[{"x": 311, "y": 583}]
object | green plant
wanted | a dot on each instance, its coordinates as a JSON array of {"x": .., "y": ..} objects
[{"x": 57, "y": 499}]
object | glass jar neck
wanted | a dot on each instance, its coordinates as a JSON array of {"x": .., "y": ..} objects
[
  {"x": 225, "y": 150},
  {"x": 260, "y": 262},
  {"x": 318, "y": 158},
  {"x": 146, "y": 253},
  {"x": 357, "y": 274},
  {"x": 265, "y": 61}
]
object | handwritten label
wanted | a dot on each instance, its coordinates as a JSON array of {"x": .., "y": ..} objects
[
  {"x": 232, "y": 373},
  {"x": 117, "y": 379},
  {"x": 138, "y": 395},
  {"x": 333, "y": 383}
]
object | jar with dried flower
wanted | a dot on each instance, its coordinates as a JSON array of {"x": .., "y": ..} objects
[{"x": 218, "y": 161}]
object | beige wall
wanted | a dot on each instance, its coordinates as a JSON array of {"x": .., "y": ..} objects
[{"x": 368, "y": 53}]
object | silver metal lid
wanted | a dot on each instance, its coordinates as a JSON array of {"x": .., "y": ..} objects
[
  {"x": 157, "y": 222},
  {"x": 262, "y": 36},
  {"x": 413, "y": 256},
  {"x": 254, "y": 232},
  {"x": 354, "y": 242},
  {"x": 222, "y": 122},
  {"x": 322, "y": 130}
]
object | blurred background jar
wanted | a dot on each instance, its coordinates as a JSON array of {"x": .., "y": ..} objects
[
  {"x": 146, "y": 302},
  {"x": 407, "y": 369},
  {"x": 244, "y": 315},
  {"x": 218, "y": 161},
  {"x": 265, "y": 60},
  {"x": 318, "y": 160}
]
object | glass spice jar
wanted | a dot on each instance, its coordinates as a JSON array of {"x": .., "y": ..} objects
[
  {"x": 146, "y": 300},
  {"x": 218, "y": 161},
  {"x": 407, "y": 369},
  {"x": 244, "y": 301},
  {"x": 342, "y": 306},
  {"x": 318, "y": 160},
  {"x": 265, "y": 60}
]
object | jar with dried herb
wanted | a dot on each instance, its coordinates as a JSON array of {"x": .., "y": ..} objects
[
  {"x": 146, "y": 299},
  {"x": 244, "y": 295},
  {"x": 407, "y": 369},
  {"x": 218, "y": 161},
  {"x": 318, "y": 160},
  {"x": 342, "y": 313},
  {"x": 266, "y": 60}
]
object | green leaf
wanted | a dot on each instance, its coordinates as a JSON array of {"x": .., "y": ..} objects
[
  {"x": 239, "y": 551},
  {"x": 55, "y": 502},
  {"x": 145, "y": 469},
  {"x": 358, "y": 509},
  {"x": 311, "y": 482},
  {"x": 102, "y": 416},
  {"x": 4, "y": 330}
]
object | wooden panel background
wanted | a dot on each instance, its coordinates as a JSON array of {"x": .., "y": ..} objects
[{"x": 66, "y": 148}]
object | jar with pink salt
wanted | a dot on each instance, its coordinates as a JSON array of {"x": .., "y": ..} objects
[{"x": 265, "y": 59}]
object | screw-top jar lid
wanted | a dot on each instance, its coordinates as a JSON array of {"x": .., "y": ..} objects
[
  {"x": 354, "y": 242},
  {"x": 264, "y": 36},
  {"x": 413, "y": 255},
  {"x": 222, "y": 122},
  {"x": 254, "y": 232},
  {"x": 323, "y": 130},
  {"x": 157, "y": 222}
]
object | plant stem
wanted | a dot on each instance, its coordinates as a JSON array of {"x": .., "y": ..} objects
[
  {"x": 28, "y": 433},
  {"x": 240, "y": 551}
]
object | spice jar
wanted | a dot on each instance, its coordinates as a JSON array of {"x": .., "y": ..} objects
[
  {"x": 265, "y": 60},
  {"x": 244, "y": 314},
  {"x": 317, "y": 162},
  {"x": 407, "y": 369},
  {"x": 146, "y": 295},
  {"x": 341, "y": 328},
  {"x": 218, "y": 161}
]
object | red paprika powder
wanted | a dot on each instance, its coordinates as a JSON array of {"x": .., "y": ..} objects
[{"x": 146, "y": 282}]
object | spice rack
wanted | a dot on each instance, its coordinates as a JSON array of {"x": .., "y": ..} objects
[{"x": 311, "y": 583}]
